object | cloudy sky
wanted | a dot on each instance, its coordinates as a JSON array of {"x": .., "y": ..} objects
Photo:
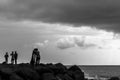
[{"x": 85, "y": 32}]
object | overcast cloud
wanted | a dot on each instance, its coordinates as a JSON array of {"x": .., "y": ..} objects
[{"x": 103, "y": 14}]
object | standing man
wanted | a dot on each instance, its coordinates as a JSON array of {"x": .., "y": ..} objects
[
  {"x": 12, "y": 57},
  {"x": 16, "y": 57},
  {"x": 6, "y": 57}
]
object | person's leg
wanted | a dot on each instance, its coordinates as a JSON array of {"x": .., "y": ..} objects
[
  {"x": 6, "y": 60},
  {"x": 11, "y": 61},
  {"x": 38, "y": 61},
  {"x": 35, "y": 59},
  {"x": 15, "y": 61}
]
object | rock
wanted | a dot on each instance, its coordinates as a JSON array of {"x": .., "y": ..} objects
[
  {"x": 79, "y": 75},
  {"x": 63, "y": 77},
  {"x": 41, "y": 70},
  {"x": 76, "y": 73},
  {"x": 4, "y": 62},
  {"x": 57, "y": 68},
  {"x": 15, "y": 77},
  {"x": 61, "y": 68},
  {"x": 5, "y": 73},
  {"x": 114, "y": 78},
  {"x": 60, "y": 77},
  {"x": 74, "y": 68},
  {"x": 27, "y": 74},
  {"x": 67, "y": 77},
  {"x": 48, "y": 76}
]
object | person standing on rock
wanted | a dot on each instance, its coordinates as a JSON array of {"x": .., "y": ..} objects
[
  {"x": 6, "y": 57},
  {"x": 16, "y": 57},
  {"x": 37, "y": 57},
  {"x": 12, "y": 57},
  {"x": 32, "y": 62}
]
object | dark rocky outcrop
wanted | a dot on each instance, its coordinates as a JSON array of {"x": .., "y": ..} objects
[
  {"x": 15, "y": 77},
  {"x": 27, "y": 74},
  {"x": 41, "y": 72},
  {"x": 114, "y": 78},
  {"x": 48, "y": 76},
  {"x": 76, "y": 73}
]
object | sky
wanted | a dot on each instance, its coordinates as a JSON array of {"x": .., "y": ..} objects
[{"x": 82, "y": 32}]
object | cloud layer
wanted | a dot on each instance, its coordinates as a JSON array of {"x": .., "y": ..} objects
[
  {"x": 103, "y": 14},
  {"x": 70, "y": 42}
]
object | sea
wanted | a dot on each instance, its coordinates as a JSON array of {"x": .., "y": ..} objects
[{"x": 103, "y": 72}]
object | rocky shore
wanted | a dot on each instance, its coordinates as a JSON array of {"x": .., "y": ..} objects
[{"x": 41, "y": 72}]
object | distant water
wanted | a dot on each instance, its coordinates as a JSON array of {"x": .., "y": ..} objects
[{"x": 101, "y": 71}]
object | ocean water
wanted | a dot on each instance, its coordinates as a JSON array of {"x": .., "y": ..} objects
[{"x": 101, "y": 71}]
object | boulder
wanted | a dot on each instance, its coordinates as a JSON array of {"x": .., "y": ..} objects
[
  {"x": 67, "y": 77},
  {"x": 114, "y": 78},
  {"x": 15, "y": 77},
  {"x": 41, "y": 70},
  {"x": 75, "y": 73},
  {"x": 49, "y": 76},
  {"x": 78, "y": 75},
  {"x": 74, "y": 68},
  {"x": 61, "y": 68},
  {"x": 63, "y": 77},
  {"x": 5, "y": 73},
  {"x": 27, "y": 74},
  {"x": 57, "y": 68}
]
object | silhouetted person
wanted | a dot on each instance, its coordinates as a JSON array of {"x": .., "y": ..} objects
[
  {"x": 12, "y": 57},
  {"x": 6, "y": 57},
  {"x": 16, "y": 57},
  {"x": 32, "y": 62},
  {"x": 37, "y": 57}
]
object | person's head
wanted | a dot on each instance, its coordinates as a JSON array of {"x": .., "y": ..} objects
[
  {"x": 12, "y": 52},
  {"x": 15, "y": 52},
  {"x": 36, "y": 49},
  {"x": 6, "y": 53}
]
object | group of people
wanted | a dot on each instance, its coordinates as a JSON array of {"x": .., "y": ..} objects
[
  {"x": 14, "y": 57},
  {"x": 35, "y": 60}
]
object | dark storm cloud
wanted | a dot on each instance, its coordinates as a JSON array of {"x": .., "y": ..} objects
[{"x": 80, "y": 12}]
